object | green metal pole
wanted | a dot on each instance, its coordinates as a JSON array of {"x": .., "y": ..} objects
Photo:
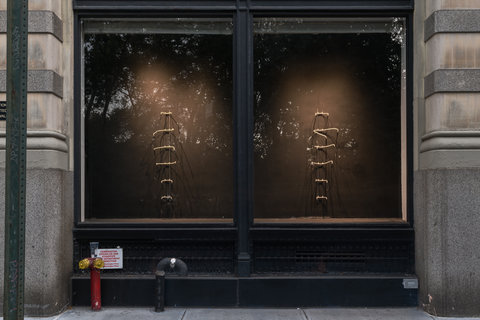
[{"x": 17, "y": 32}]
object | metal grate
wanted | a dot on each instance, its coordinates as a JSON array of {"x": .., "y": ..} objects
[
  {"x": 285, "y": 252},
  {"x": 323, "y": 261},
  {"x": 318, "y": 257},
  {"x": 142, "y": 256}
]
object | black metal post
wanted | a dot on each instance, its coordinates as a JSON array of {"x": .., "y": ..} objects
[
  {"x": 160, "y": 291},
  {"x": 243, "y": 135},
  {"x": 175, "y": 265},
  {"x": 17, "y": 31}
]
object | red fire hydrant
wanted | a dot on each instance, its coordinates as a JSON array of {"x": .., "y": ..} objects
[{"x": 95, "y": 264}]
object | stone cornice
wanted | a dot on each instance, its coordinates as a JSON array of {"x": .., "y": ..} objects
[
  {"x": 450, "y": 140},
  {"x": 41, "y": 140}
]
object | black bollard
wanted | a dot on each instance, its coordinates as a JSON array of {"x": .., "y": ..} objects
[
  {"x": 160, "y": 290},
  {"x": 177, "y": 266}
]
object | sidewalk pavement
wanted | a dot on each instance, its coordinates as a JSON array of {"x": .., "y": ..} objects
[{"x": 83, "y": 313}]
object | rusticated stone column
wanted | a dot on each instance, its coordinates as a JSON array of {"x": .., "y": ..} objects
[{"x": 447, "y": 175}]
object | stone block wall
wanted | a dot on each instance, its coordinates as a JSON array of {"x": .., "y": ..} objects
[
  {"x": 49, "y": 208},
  {"x": 447, "y": 173}
]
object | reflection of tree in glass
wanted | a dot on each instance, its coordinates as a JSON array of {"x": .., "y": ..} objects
[
  {"x": 129, "y": 80},
  {"x": 277, "y": 53},
  {"x": 357, "y": 76}
]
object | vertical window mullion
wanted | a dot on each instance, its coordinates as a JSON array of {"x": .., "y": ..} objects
[{"x": 243, "y": 132}]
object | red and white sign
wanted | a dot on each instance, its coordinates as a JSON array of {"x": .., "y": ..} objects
[{"x": 113, "y": 258}]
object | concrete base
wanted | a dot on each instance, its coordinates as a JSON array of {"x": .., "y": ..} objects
[
  {"x": 447, "y": 224},
  {"x": 253, "y": 292},
  {"x": 48, "y": 249}
]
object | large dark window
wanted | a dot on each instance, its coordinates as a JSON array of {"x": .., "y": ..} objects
[
  {"x": 329, "y": 104},
  {"x": 329, "y": 128},
  {"x": 158, "y": 119}
]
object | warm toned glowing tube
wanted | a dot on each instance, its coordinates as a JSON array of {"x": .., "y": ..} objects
[
  {"x": 163, "y": 131},
  {"x": 326, "y": 130},
  {"x": 321, "y": 164},
  {"x": 172, "y": 148},
  {"x": 165, "y": 163},
  {"x": 324, "y": 147}
]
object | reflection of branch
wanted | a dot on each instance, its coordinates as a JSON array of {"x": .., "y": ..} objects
[
  {"x": 108, "y": 98},
  {"x": 127, "y": 93},
  {"x": 89, "y": 105}
]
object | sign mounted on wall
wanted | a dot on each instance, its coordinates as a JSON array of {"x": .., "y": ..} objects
[
  {"x": 3, "y": 110},
  {"x": 113, "y": 258}
]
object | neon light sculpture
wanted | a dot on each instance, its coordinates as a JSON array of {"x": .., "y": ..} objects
[
  {"x": 165, "y": 157},
  {"x": 322, "y": 145}
]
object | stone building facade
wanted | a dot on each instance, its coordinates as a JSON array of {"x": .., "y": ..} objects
[
  {"x": 49, "y": 168},
  {"x": 446, "y": 100},
  {"x": 445, "y": 148}
]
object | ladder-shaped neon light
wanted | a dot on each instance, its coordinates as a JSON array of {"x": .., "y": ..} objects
[
  {"x": 166, "y": 153},
  {"x": 324, "y": 139}
]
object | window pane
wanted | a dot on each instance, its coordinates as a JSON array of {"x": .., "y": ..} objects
[
  {"x": 329, "y": 108},
  {"x": 158, "y": 119}
]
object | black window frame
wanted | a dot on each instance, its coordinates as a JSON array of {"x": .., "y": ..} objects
[{"x": 243, "y": 231}]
